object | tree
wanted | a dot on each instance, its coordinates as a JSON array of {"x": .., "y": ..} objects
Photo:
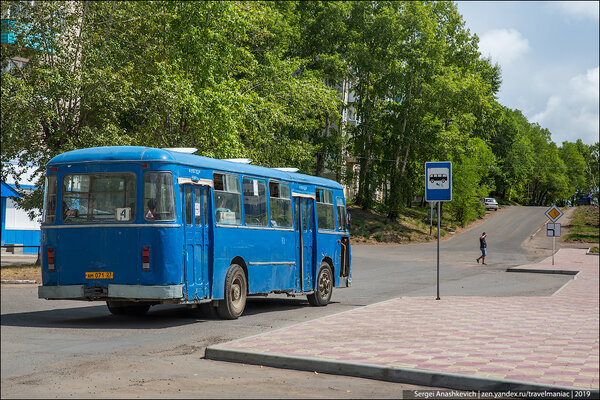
[{"x": 211, "y": 75}]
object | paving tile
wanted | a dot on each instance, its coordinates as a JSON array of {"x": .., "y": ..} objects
[{"x": 551, "y": 340}]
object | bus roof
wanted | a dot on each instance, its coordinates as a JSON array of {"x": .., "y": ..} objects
[{"x": 151, "y": 154}]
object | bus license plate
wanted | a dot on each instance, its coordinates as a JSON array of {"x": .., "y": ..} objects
[{"x": 98, "y": 275}]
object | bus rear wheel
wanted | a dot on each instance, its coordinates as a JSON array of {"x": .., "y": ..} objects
[
  {"x": 236, "y": 289},
  {"x": 324, "y": 287},
  {"x": 127, "y": 308}
]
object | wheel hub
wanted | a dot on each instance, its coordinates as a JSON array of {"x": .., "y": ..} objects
[
  {"x": 324, "y": 284},
  {"x": 236, "y": 292}
]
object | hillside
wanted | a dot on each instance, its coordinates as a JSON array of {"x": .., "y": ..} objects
[{"x": 413, "y": 226}]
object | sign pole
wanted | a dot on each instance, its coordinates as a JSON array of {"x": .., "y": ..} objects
[
  {"x": 430, "y": 217},
  {"x": 553, "y": 246},
  {"x": 439, "y": 203}
]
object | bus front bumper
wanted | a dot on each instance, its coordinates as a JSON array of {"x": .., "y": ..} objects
[{"x": 137, "y": 292}]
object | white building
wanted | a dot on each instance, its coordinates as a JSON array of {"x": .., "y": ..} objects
[{"x": 17, "y": 227}]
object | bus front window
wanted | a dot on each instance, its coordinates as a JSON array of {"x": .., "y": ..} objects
[
  {"x": 159, "y": 201},
  {"x": 105, "y": 197}
]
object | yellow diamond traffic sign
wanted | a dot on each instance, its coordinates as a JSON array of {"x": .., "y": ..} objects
[{"x": 553, "y": 213}]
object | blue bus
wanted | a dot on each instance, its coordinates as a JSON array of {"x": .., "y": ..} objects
[{"x": 139, "y": 226}]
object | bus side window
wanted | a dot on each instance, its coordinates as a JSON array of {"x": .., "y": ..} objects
[
  {"x": 255, "y": 202},
  {"x": 325, "y": 212},
  {"x": 228, "y": 200},
  {"x": 281, "y": 205}
]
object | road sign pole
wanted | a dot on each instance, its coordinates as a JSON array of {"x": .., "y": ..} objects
[
  {"x": 439, "y": 203},
  {"x": 553, "y": 247},
  {"x": 430, "y": 217}
]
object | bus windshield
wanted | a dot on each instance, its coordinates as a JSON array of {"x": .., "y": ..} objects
[{"x": 105, "y": 197}]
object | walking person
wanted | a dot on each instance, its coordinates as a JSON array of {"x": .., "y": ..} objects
[{"x": 483, "y": 247}]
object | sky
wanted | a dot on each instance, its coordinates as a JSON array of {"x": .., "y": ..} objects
[{"x": 548, "y": 53}]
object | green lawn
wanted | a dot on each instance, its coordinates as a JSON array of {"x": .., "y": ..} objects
[{"x": 584, "y": 225}]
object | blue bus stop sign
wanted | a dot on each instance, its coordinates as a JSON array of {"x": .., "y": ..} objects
[{"x": 438, "y": 181}]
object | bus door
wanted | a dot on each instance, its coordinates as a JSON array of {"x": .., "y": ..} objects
[
  {"x": 305, "y": 230},
  {"x": 195, "y": 206}
]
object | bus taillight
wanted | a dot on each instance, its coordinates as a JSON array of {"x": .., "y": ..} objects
[
  {"x": 146, "y": 258},
  {"x": 50, "y": 259}
]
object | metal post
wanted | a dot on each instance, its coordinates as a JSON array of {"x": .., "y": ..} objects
[
  {"x": 438, "y": 249},
  {"x": 430, "y": 217},
  {"x": 553, "y": 244}
]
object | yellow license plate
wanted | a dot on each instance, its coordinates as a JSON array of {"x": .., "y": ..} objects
[{"x": 98, "y": 275}]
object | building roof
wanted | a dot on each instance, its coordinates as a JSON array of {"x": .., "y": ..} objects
[{"x": 7, "y": 191}]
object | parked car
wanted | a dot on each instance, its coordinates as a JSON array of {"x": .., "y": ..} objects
[
  {"x": 490, "y": 203},
  {"x": 585, "y": 200}
]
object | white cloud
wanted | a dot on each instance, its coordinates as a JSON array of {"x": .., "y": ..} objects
[
  {"x": 572, "y": 112},
  {"x": 578, "y": 9},
  {"x": 503, "y": 45}
]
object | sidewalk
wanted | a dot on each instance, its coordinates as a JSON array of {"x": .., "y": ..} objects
[{"x": 467, "y": 343}]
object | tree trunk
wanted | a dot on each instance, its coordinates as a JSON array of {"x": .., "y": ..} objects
[
  {"x": 394, "y": 200},
  {"x": 364, "y": 184}
]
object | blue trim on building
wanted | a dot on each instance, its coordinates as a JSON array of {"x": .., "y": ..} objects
[
  {"x": 29, "y": 237},
  {"x": 25, "y": 238},
  {"x": 9, "y": 31},
  {"x": 12, "y": 185},
  {"x": 8, "y": 191},
  {"x": 3, "y": 231}
]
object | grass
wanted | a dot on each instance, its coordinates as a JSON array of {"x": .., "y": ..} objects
[
  {"x": 584, "y": 225},
  {"x": 579, "y": 237},
  {"x": 26, "y": 272},
  {"x": 411, "y": 227}
]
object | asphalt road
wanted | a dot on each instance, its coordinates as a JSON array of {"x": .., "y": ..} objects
[{"x": 58, "y": 349}]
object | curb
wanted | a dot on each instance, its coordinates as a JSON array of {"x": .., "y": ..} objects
[
  {"x": 390, "y": 374},
  {"x": 17, "y": 281},
  {"x": 543, "y": 271}
]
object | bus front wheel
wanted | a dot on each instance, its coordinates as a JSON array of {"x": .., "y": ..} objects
[
  {"x": 324, "y": 287},
  {"x": 236, "y": 289},
  {"x": 127, "y": 308}
]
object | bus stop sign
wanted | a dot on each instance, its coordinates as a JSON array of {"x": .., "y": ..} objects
[{"x": 438, "y": 181}]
